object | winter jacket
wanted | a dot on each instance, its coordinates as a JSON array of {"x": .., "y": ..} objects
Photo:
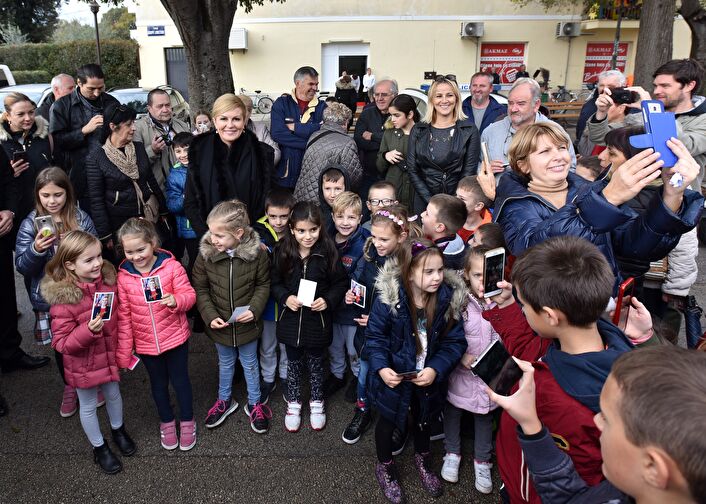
[
  {"x": 112, "y": 193},
  {"x": 390, "y": 343},
  {"x": 395, "y": 139},
  {"x": 347, "y": 94},
  {"x": 89, "y": 358},
  {"x": 366, "y": 273},
  {"x": 218, "y": 173},
  {"x": 350, "y": 252},
  {"x": 373, "y": 120},
  {"x": 636, "y": 267},
  {"x": 43, "y": 109},
  {"x": 467, "y": 391},
  {"x": 38, "y": 148},
  {"x": 492, "y": 112},
  {"x": 330, "y": 146},
  {"x": 174, "y": 189},
  {"x": 8, "y": 195},
  {"x": 152, "y": 328},
  {"x": 430, "y": 178},
  {"x": 326, "y": 210},
  {"x": 527, "y": 219},
  {"x": 30, "y": 263},
  {"x": 453, "y": 252},
  {"x": 305, "y": 328},
  {"x": 293, "y": 143},
  {"x": 224, "y": 283},
  {"x": 268, "y": 237},
  {"x": 262, "y": 132},
  {"x": 66, "y": 118},
  {"x": 146, "y": 129},
  {"x": 555, "y": 478},
  {"x": 682, "y": 268},
  {"x": 568, "y": 391},
  {"x": 587, "y": 110},
  {"x": 691, "y": 129}
]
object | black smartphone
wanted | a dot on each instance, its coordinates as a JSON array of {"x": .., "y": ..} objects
[
  {"x": 19, "y": 155},
  {"x": 408, "y": 375},
  {"x": 493, "y": 270},
  {"x": 496, "y": 367},
  {"x": 622, "y": 96}
]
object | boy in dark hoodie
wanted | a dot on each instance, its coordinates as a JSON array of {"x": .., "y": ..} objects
[
  {"x": 350, "y": 237},
  {"x": 333, "y": 181},
  {"x": 444, "y": 216},
  {"x": 564, "y": 285}
]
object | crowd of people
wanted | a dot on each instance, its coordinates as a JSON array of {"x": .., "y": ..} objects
[{"x": 308, "y": 256}]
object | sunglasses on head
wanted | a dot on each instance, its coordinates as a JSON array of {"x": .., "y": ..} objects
[
  {"x": 447, "y": 77},
  {"x": 121, "y": 109}
]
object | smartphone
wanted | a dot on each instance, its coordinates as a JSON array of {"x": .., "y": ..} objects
[
  {"x": 408, "y": 375},
  {"x": 45, "y": 225},
  {"x": 493, "y": 269},
  {"x": 19, "y": 155},
  {"x": 496, "y": 367},
  {"x": 486, "y": 154},
  {"x": 623, "y": 303}
]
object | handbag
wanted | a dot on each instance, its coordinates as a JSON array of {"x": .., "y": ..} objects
[{"x": 150, "y": 208}]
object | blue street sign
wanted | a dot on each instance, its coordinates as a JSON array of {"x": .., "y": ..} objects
[{"x": 155, "y": 31}]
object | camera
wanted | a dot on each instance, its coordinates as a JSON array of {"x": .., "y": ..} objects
[
  {"x": 622, "y": 96},
  {"x": 167, "y": 139}
]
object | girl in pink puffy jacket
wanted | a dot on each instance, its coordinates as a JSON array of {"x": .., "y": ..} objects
[
  {"x": 466, "y": 391},
  {"x": 73, "y": 277},
  {"x": 155, "y": 295}
]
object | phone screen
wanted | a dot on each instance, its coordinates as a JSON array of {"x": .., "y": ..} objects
[
  {"x": 17, "y": 155},
  {"x": 497, "y": 368},
  {"x": 493, "y": 273}
]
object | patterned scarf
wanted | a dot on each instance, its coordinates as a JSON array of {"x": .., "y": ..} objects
[{"x": 126, "y": 161}]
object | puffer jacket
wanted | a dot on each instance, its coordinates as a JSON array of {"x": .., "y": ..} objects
[
  {"x": 396, "y": 139},
  {"x": 366, "y": 273},
  {"x": 89, "y": 358},
  {"x": 390, "y": 343},
  {"x": 350, "y": 252},
  {"x": 30, "y": 263},
  {"x": 330, "y": 146},
  {"x": 174, "y": 192},
  {"x": 430, "y": 178},
  {"x": 467, "y": 391},
  {"x": 527, "y": 219},
  {"x": 152, "y": 328},
  {"x": 305, "y": 328},
  {"x": 224, "y": 283},
  {"x": 682, "y": 268}
]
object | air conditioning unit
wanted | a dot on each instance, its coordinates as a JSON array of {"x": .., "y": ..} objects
[
  {"x": 238, "y": 39},
  {"x": 568, "y": 30},
  {"x": 470, "y": 29}
]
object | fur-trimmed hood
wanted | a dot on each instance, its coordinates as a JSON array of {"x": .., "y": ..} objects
[
  {"x": 67, "y": 291},
  {"x": 389, "y": 286},
  {"x": 247, "y": 249},
  {"x": 41, "y": 131}
]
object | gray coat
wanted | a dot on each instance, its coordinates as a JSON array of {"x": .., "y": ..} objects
[
  {"x": 335, "y": 147},
  {"x": 161, "y": 162}
]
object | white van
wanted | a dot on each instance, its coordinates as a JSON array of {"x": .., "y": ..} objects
[{"x": 6, "y": 77}]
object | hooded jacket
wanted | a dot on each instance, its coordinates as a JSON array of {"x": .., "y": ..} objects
[
  {"x": 146, "y": 129},
  {"x": 350, "y": 252},
  {"x": 390, "y": 343},
  {"x": 565, "y": 384},
  {"x": 89, "y": 358},
  {"x": 174, "y": 193},
  {"x": 293, "y": 143},
  {"x": 366, "y": 272},
  {"x": 30, "y": 263},
  {"x": 492, "y": 112},
  {"x": 152, "y": 328},
  {"x": 224, "y": 282},
  {"x": 453, "y": 252}
]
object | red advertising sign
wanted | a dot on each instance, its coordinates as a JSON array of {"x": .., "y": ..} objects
[
  {"x": 598, "y": 57},
  {"x": 503, "y": 59}
]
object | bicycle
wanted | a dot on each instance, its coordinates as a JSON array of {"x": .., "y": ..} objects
[
  {"x": 261, "y": 103},
  {"x": 563, "y": 95}
]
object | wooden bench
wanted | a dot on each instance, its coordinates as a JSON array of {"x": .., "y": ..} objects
[{"x": 564, "y": 111}]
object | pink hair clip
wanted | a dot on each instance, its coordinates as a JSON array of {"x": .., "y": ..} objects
[{"x": 392, "y": 217}]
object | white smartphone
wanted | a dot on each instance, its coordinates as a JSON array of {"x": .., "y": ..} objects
[
  {"x": 45, "y": 225},
  {"x": 493, "y": 271}
]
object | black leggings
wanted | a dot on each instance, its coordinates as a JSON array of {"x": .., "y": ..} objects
[{"x": 385, "y": 428}]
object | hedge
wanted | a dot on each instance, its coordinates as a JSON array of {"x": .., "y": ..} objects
[
  {"x": 119, "y": 59},
  {"x": 32, "y": 76}
]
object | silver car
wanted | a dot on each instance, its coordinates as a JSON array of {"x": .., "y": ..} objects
[
  {"x": 38, "y": 93},
  {"x": 137, "y": 99}
]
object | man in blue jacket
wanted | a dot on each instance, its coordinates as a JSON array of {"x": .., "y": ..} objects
[
  {"x": 480, "y": 107},
  {"x": 295, "y": 116}
]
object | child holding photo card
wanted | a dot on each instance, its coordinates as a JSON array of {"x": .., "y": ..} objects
[
  {"x": 304, "y": 257},
  {"x": 155, "y": 295}
]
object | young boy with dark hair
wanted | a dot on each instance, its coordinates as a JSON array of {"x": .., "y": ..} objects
[
  {"x": 653, "y": 408},
  {"x": 380, "y": 195},
  {"x": 564, "y": 285},
  {"x": 272, "y": 227},
  {"x": 333, "y": 181},
  {"x": 350, "y": 240},
  {"x": 589, "y": 168},
  {"x": 444, "y": 216},
  {"x": 477, "y": 204}
]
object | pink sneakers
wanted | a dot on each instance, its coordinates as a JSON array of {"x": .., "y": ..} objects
[
  {"x": 69, "y": 402},
  {"x": 187, "y": 435},
  {"x": 167, "y": 432}
]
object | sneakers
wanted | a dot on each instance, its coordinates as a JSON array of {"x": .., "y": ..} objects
[
  {"x": 333, "y": 385},
  {"x": 187, "y": 435},
  {"x": 69, "y": 402},
  {"x": 386, "y": 475},
  {"x": 437, "y": 428},
  {"x": 100, "y": 399},
  {"x": 168, "y": 435},
  {"x": 259, "y": 415},
  {"x": 430, "y": 481},
  {"x": 351, "y": 395},
  {"x": 293, "y": 417},
  {"x": 360, "y": 423},
  {"x": 266, "y": 388},
  {"x": 449, "y": 470},
  {"x": 399, "y": 440},
  {"x": 219, "y": 412},
  {"x": 484, "y": 479},
  {"x": 317, "y": 415}
]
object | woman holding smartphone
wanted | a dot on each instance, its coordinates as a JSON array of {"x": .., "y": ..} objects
[{"x": 25, "y": 141}]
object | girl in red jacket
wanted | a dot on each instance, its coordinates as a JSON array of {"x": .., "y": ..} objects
[
  {"x": 73, "y": 276},
  {"x": 157, "y": 330}
]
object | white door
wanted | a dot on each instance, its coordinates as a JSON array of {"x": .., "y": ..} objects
[{"x": 329, "y": 61}]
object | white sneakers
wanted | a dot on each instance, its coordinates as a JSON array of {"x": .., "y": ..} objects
[
  {"x": 317, "y": 415},
  {"x": 293, "y": 417},
  {"x": 484, "y": 480},
  {"x": 449, "y": 471}
]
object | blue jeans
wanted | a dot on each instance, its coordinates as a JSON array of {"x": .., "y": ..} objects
[
  {"x": 227, "y": 356},
  {"x": 362, "y": 377}
]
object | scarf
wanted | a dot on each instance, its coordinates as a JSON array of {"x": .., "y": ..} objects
[
  {"x": 554, "y": 193},
  {"x": 309, "y": 109},
  {"x": 95, "y": 110},
  {"x": 126, "y": 161}
]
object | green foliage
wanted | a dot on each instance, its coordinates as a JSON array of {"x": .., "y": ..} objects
[
  {"x": 119, "y": 59},
  {"x": 35, "y": 18},
  {"x": 68, "y": 31},
  {"x": 116, "y": 23},
  {"x": 31, "y": 76},
  {"x": 12, "y": 35}
]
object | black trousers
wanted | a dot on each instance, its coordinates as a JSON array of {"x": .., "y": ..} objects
[
  {"x": 10, "y": 338},
  {"x": 384, "y": 429}
]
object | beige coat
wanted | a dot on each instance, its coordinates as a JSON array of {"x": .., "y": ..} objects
[{"x": 160, "y": 162}]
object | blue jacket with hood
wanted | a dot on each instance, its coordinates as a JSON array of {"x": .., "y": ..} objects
[
  {"x": 492, "y": 112},
  {"x": 350, "y": 252}
]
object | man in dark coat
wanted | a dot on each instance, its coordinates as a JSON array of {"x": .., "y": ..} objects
[
  {"x": 61, "y": 85},
  {"x": 480, "y": 107}
]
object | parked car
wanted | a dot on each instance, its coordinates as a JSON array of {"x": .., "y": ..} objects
[
  {"x": 6, "y": 77},
  {"x": 137, "y": 99},
  {"x": 421, "y": 99},
  {"x": 36, "y": 92}
]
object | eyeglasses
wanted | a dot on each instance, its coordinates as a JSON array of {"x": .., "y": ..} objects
[
  {"x": 447, "y": 77},
  {"x": 381, "y": 95},
  {"x": 383, "y": 202}
]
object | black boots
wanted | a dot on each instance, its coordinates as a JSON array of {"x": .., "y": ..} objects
[
  {"x": 123, "y": 441},
  {"x": 106, "y": 459}
]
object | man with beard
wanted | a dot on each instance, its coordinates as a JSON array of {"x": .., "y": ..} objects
[{"x": 482, "y": 108}]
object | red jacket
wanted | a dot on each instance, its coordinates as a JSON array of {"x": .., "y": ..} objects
[
  {"x": 152, "y": 328},
  {"x": 89, "y": 358},
  {"x": 569, "y": 422}
]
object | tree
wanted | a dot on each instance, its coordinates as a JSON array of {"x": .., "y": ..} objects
[
  {"x": 69, "y": 31},
  {"x": 12, "y": 35},
  {"x": 36, "y": 18},
  {"x": 116, "y": 24},
  {"x": 695, "y": 16},
  {"x": 654, "y": 42}
]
